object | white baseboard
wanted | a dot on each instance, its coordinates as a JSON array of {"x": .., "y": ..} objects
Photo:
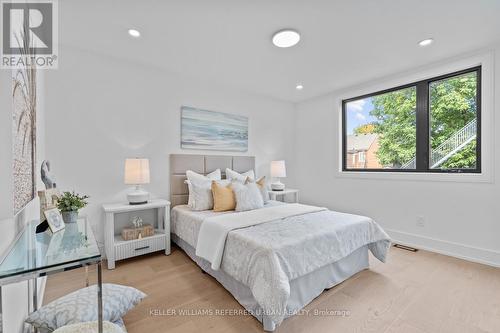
[{"x": 461, "y": 251}]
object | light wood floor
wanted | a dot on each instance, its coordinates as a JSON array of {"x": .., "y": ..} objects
[{"x": 412, "y": 293}]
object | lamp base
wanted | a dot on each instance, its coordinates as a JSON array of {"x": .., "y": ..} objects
[
  {"x": 138, "y": 196},
  {"x": 137, "y": 203},
  {"x": 278, "y": 186}
]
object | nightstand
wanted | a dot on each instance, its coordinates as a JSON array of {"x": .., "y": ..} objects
[
  {"x": 284, "y": 195},
  {"x": 119, "y": 215}
]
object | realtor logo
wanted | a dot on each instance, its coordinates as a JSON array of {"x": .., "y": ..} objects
[{"x": 29, "y": 33}]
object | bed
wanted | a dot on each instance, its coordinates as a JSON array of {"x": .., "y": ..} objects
[{"x": 286, "y": 254}]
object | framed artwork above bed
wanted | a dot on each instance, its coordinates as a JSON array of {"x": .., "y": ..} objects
[{"x": 211, "y": 130}]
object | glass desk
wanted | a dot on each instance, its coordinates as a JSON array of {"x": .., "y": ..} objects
[{"x": 35, "y": 255}]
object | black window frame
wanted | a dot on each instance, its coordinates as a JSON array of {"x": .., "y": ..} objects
[{"x": 422, "y": 125}]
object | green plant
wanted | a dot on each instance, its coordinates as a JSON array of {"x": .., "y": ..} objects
[{"x": 71, "y": 201}]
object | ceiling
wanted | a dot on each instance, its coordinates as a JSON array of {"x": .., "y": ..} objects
[{"x": 343, "y": 43}]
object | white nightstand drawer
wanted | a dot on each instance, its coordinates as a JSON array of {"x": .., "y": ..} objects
[{"x": 128, "y": 249}]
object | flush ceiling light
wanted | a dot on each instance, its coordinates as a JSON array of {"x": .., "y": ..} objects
[
  {"x": 426, "y": 42},
  {"x": 299, "y": 87},
  {"x": 286, "y": 38},
  {"x": 134, "y": 33}
]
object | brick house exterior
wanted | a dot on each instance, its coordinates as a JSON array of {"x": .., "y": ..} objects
[{"x": 361, "y": 152}]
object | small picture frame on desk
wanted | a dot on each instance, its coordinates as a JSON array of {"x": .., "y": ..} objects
[{"x": 54, "y": 219}]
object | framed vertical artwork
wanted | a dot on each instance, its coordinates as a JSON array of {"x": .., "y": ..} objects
[{"x": 23, "y": 136}]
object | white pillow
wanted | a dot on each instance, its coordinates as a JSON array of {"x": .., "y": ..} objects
[
  {"x": 239, "y": 177},
  {"x": 262, "y": 184},
  {"x": 203, "y": 198},
  {"x": 193, "y": 176},
  {"x": 247, "y": 196},
  {"x": 199, "y": 178},
  {"x": 201, "y": 194}
]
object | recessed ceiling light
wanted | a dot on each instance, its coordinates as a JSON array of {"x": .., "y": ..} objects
[
  {"x": 426, "y": 42},
  {"x": 286, "y": 38},
  {"x": 134, "y": 33},
  {"x": 299, "y": 87}
]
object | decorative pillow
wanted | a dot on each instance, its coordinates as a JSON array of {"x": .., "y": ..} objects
[
  {"x": 81, "y": 306},
  {"x": 199, "y": 178},
  {"x": 223, "y": 197},
  {"x": 201, "y": 193},
  {"x": 89, "y": 327},
  {"x": 261, "y": 183},
  {"x": 120, "y": 323},
  {"x": 214, "y": 175},
  {"x": 239, "y": 177},
  {"x": 247, "y": 196}
]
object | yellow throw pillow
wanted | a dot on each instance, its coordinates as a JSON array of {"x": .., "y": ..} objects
[
  {"x": 261, "y": 182},
  {"x": 223, "y": 197}
]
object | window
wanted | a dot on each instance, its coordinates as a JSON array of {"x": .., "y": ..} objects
[
  {"x": 362, "y": 157},
  {"x": 427, "y": 126}
]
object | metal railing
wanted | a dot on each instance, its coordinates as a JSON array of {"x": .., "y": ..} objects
[{"x": 449, "y": 147}]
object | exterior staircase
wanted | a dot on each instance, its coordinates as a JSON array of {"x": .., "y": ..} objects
[{"x": 448, "y": 148}]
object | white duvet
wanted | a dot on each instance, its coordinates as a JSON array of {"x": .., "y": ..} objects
[
  {"x": 214, "y": 230},
  {"x": 267, "y": 248}
]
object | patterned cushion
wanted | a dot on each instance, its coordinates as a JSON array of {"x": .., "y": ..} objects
[
  {"x": 247, "y": 196},
  {"x": 89, "y": 327},
  {"x": 120, "y": 323},
  {"x": 81, "y": 306},
  {"x": 201, "y": 194},
  {"x": 194, "y": 177}
]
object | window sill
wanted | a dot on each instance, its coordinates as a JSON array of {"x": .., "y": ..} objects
[{"x": 420, "y": 176}]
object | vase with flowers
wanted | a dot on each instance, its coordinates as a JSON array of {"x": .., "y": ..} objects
[{"x": 69, "y": 203}]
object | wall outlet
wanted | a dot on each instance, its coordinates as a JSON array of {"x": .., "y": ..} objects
[{"x": 420, "y": 221}]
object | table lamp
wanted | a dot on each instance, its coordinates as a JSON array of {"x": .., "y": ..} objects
[
  {"x": 278, "y": 171},
  {"x": 137, "y": 173}
]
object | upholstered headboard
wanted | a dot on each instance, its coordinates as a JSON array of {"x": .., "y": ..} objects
[{"x": 203, "y": 164}]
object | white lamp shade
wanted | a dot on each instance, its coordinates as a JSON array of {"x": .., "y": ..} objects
[
  {"x": 136, "y": 171},
  {"x": 278, "y": 169}
]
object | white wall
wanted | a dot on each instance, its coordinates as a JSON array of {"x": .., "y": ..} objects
[
  {"x": 15, "y": 296},
  {"x": 461, "y": 219},
  {"x": 101, "y": 110}
]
